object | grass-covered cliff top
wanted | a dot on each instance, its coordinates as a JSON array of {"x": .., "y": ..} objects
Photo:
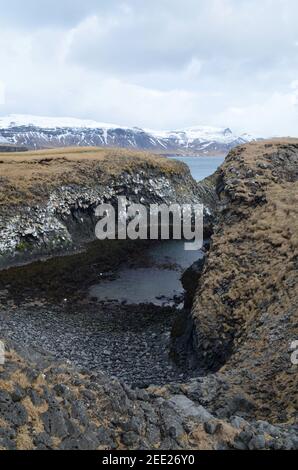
[
  {"x": 31, "y": 176},
  {"x": 246, "y": 305}
]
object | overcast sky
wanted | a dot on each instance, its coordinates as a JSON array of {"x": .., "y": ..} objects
[{"x": 161, "y": 64}]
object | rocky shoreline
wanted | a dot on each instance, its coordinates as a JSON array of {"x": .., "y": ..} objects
[
  {"x": 113, "y": 338},
  {"x": 47, "y": 404},
  {"x": 242, "y": 392}
]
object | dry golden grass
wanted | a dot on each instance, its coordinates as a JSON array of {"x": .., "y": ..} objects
[
  {"x": 30, "y": 176},
  {"x": 252, "y": 272},
  {"x": 24, "y": 439},
  {"x": 34, "y": 414}
]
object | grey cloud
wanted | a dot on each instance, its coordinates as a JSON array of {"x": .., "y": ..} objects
[
  {"x": 145, "y": 38},
  {"x": 158, "y": 63},
  {"x": 38, "y": 13}
]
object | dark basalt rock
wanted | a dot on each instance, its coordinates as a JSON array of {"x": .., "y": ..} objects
[
  {"x": 64, "y": 221},
  {"x": 247, "y": 295},
  {"x": 190, "y": 280},
  {"x": 12, "y": 148},
  {"x": 47, "y": 404}
]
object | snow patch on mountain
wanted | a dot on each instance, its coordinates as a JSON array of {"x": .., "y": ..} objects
[
  {"x": 3, "y": 140},
  {"x": 202, "y": 133},
  {"x": 41, "y": 132},
  {"x": 19, "y": 120}
]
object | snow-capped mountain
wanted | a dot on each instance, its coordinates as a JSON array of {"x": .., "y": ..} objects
[
  {"x": 3, "y": 140},
  {"x": 41, "y": 132}
]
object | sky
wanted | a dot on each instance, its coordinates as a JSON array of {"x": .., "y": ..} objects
[{"x": 160, "y": 64}]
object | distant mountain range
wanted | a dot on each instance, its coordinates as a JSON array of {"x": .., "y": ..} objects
[{"x": 35, "y": 132}]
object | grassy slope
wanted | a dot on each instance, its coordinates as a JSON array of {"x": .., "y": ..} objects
[{"x": 249, "y": 289}]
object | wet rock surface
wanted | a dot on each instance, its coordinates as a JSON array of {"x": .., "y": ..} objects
[
  {"x": 190, "y": 280},
  {"x": 49, "y": 306}
]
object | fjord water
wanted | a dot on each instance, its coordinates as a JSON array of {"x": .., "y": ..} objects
[
  {"x": 201, "y": 167},
  {"x": 158, "y": 281}
]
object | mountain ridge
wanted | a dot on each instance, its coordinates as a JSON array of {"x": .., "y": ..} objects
[{"x": 35, "y": 132}]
